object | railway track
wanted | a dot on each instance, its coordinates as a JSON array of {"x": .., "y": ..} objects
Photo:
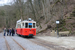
[
  {"x": 49, "y": 45},
  {"x": 8, "y": 47},
  {"x": 46, "y": 44}
]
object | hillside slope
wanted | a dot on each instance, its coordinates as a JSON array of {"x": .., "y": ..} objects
[{"x": 67, "y": 23}]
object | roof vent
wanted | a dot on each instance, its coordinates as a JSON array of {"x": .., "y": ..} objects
[
  {"x": 29, "y": 19},
  {"x": 19, "y": 21}
]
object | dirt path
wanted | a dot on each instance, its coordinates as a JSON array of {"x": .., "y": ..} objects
[{"x": 66, "y": 42}]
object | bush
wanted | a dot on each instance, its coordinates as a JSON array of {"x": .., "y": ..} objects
[
  {"x": 73, "y": 13},
  {"x": 69, "y": 18},
  {"x": 62, "y": 23},
  {"x": 61, "y": 26}
]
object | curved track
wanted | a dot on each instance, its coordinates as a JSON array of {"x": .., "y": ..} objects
[
  {"x": 8, "y": 47},
  {"x": 46, "y": 44},
  {"x": 49, "y": 45},
  {"x": 18, "y": 44}
]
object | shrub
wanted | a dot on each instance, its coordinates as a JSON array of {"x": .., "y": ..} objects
[
  {"x": 69, "y": 18},
  {"x": 73, "y": 13},
  {"x": 61, "y": 26}
]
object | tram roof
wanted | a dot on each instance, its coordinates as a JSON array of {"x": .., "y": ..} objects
[{"x": 27, "y": 21}]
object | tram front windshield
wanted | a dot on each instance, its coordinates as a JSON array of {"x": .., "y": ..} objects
[
  {"x": 26, "y": 25},
  {"x": 29, "y": 25}
]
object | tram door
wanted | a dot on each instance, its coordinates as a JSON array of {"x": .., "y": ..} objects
[
  {"x": 19, "y": 28},
  {"x": 22, "y": 28}
]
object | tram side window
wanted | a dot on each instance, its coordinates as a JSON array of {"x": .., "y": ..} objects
[
  {"x": 26, "y": 25},
  {"x": 33, "y": 25},
  {"x": 22, "y": 25},
  {"x": 30, "y": 25},
  {"x": 19, "y": 26}
]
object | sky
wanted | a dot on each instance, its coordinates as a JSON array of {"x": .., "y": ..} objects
[{"x": 5, "y": 2}]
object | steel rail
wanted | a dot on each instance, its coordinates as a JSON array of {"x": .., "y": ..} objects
[
  {"x": 48, "y": 45},
  {"x": 19, "y": 44},
  {"x": 40, "y": 44},
  {"x": 7, "y": 45}
]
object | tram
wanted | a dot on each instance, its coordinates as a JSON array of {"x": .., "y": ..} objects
[{"x": 26, "y": 27}]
